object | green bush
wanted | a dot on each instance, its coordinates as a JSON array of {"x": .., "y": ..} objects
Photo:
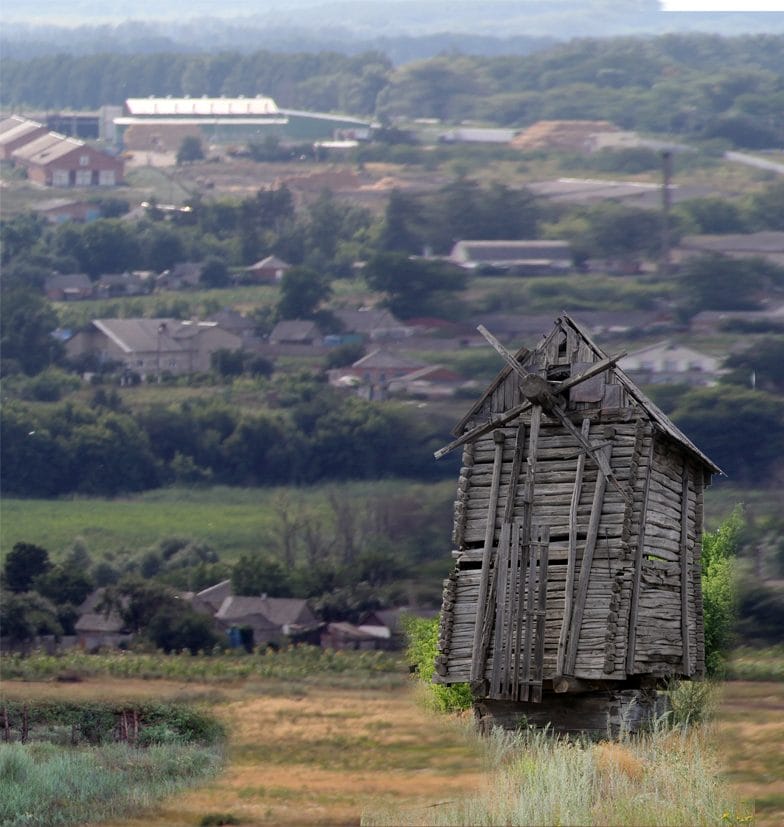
[
  {"x": 719, "y": 590},
  {"x": 422, "y": 647}
]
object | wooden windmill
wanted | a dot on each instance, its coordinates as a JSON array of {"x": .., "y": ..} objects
[{"x": 577, "y": 538}]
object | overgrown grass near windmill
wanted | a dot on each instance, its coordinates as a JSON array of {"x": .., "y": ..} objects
[{"x": 669, "y": 776}]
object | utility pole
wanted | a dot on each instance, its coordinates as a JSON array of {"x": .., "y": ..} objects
[{"x": 664, "y": 262}]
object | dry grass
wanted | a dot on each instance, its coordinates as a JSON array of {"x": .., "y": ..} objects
[
  {"x": 750, "y": 739},
  {"x": 325, "y": 756},
  {"x": 318, "y": 756}
]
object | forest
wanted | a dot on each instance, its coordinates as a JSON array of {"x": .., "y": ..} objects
[{"x": 692, "y": 85}]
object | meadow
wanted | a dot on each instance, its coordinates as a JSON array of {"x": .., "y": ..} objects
[
  {"x": 231, "y": 520},
  {"x": 321, "y": 751}
]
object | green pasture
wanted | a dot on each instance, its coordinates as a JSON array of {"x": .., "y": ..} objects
[{"x": 231, "y": 520}]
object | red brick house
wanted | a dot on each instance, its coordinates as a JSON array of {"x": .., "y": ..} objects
[{"x": 57, "y": 161}]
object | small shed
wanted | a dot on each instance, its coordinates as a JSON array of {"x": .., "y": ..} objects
[{"x": 577, "y": 533}]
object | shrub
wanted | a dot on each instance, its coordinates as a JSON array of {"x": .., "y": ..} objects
[
  {"x": 719, "y": 592},
  {"x": 422, "y": 646}
]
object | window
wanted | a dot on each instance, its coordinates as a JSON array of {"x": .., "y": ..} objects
[
  {"x": 84, "y": 160},
  {"x": 106, "y": 178},
  {"x": 60, "y": 178},
  {"x": 84, "y": 177}
]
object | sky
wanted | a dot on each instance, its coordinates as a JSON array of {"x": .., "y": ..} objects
[{"x": 723, "y": 5}]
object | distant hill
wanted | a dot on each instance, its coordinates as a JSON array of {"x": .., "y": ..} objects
[{"x": 403, "y": 29}]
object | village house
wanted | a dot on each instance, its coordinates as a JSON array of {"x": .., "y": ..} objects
[
  {"x": 272, "y": 620},
  {"x": 269, "y": 270},
  {"x": 111, "y": 285},
  {"x": 295, "y": 332},
  {"x": 183, "y": 275},
  {"x": 57, "y": 161},
  {"x": 15, "y": 132},
  {"x": 372, "y": 324},
  {"x": 153, "y": 346},
  {"x": 60, "y": 210},
  {"x": 667, "y": 363},
  {"x": 515, "y": 257},
  {"x": 768, "y": 245},
  {"x": 97, "y": 628},
  {"x": 68, "y": 287}
]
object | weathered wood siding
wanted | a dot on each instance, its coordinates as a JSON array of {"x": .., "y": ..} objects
[
  {"x": 605, "y": 619},
  {"x": 671, "y": 562}
]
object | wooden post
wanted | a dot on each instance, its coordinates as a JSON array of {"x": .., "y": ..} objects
[
  {"x": 543, "y": 548},
  {"x": 585, "y": 566},
  {"x": 502, "y": 612},
  {"x": 685, "y": 571},
  {"x": 487, "y": 550},
  {"x": 631, "y": 640},
  {"x": 571, "y": 563}
]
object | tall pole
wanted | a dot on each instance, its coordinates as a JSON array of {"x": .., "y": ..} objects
[{"x": 664, "y": 263}]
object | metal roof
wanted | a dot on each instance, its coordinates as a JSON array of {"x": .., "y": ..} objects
[{"x": 202, "y": 107}]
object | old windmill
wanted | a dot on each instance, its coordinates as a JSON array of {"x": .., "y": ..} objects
[{"x": 578, "y": 522}]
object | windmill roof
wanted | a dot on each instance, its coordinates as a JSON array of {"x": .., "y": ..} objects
[{"x": 656, "y": 414}]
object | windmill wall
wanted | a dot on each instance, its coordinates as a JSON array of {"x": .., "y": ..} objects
[{"x": 627, "y": 612}]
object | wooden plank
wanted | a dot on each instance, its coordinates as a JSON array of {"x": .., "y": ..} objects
[
  {"x": 517, "y": 464},
  {"x": 685, "y": 573},
  {"x": 638, "y": 555},
  {"x": 477, "y": 668},
  {"x": 572, "y": 554},
  {"x": 528, "y": 577},
  {"x": 516, "y": 619},
  {"x": 542, "y": 541},
  {"x": 502, "y": 610},
  {"x": 585, "y": 568}
]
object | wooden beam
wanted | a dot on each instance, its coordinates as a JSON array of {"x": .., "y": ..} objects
[
  {"x": 631, "y": 640},
  {"x": 543, "y": 549},
  {"x": 571, "y": 563},
  {"x": 585, "y": 568},
  {"x": 685, "y": 572},
  {"x": 483, "y": 429},
  {"x": 595, "y": 369},
  {"x": 487, "y": 551}
]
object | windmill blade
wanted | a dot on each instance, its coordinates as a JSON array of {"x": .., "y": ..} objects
[
  {"x": 504, "y": 353},
  {"x": 483, "y": 429}
]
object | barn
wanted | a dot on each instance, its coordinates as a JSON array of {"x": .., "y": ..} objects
[{"x": 575, "y": 592}]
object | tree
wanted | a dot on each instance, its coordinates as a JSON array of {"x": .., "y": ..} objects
[
  {"x": 24, "y": 615},
  {"x": 227, "y": 363},
  {"x": 26, "y": 324},
  {"x": 301, "y": 292},
  {"x": 764, "y": 361},
  {"x": 727, "y": 421},
  {"x": 716, "y": 282},
  {"x": 62, "y": 584},
  {"x": 24, "y": 563},
  {"x": 258, "y": 574},
  {"x": 215, "y": 273},
  {"x": 176, "y": 628},
  {"x": 414, "y": 287},
  {"x": 190, "y": 150}
]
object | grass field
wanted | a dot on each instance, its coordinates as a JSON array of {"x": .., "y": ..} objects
[
  {"x": 325, "y": 755},
  {"x": 231, "y": 520}
]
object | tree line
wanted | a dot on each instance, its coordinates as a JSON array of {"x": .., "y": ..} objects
[
  {"x": 103, "y": 448},
  {"x": 695, "y": 85}
]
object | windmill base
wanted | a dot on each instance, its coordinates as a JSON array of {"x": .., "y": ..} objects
[{"x": 601, "y": 714}]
